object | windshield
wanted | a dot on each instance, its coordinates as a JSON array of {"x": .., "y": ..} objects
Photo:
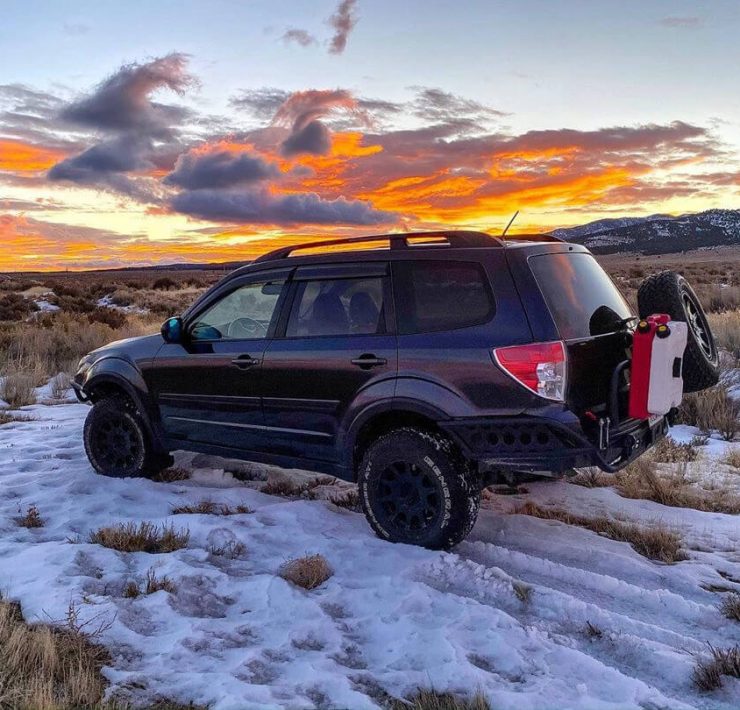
[{"x": 582, "y": 298}]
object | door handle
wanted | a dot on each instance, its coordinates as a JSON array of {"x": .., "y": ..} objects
[
  {"x": 244, "y": 362},
  {"x": 368, "y": 360}
]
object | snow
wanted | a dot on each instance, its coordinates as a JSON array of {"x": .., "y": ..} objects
[
  {"x": 107, "y": 302},
  {"x": 391, "y": 619}
]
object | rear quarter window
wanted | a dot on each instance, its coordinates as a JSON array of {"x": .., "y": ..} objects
[
  {"x": 581, "y": 296},
  {"x": 441, "y": 295}
]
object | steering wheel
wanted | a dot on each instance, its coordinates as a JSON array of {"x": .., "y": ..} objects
[{"x": 245, "y": 328}]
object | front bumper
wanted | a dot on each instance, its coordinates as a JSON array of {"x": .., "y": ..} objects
[{"x": 541, "y": 444}]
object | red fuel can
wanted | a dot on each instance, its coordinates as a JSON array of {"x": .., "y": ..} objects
[{"x": 642, "y": 352}]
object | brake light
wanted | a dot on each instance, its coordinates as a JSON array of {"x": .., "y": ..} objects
[{"x": 540, "y": 367}]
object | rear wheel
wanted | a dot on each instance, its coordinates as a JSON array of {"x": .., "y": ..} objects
[
  {"x": 117, "y": 442},
  {"x": 669, "y": 292},
  {"x": 415, "y": 488}
]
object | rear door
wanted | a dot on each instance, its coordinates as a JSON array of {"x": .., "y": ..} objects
[
  {"x": 209, "y": 388},
  {"x": 335, "y": 346},
  {"x": 591, "y": 316}
]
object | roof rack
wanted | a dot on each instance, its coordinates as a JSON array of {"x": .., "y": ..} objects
[{"x": 397, "y": 241}]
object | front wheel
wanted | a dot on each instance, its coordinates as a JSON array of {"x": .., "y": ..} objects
[
  {"x": 415, "y": 488},
  {"x": 117, "y": 443}
]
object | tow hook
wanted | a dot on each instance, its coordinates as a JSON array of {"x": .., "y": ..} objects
[
  {"x": 631, "y": 443},
  {"x": 604, "y": 424},
  {"x": 671, "y": 416}
]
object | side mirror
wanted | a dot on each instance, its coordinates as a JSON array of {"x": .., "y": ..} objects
[{"x": 172, "y": 331}]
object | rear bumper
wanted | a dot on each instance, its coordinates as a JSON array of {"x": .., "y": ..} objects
[{"x": 542, "y": 444}]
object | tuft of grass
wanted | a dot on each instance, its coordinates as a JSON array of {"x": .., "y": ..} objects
[
  {"x": 732, "y": 458},
  {"x": 712, "y": 409},
  {"x": 349, "y": 500},
  {"x": 32, "y": 518},
  {"x": 709, "y": 672},
  {"x": 656, "y": 542},
  {"x": 308, "y": 572},
  {"x": 288, "y": 488},
  {"x": 232, "y": 550},
  {"x": 592, "y": 478},
  {"x": 172, "y": 475},
  {"x": 60, "y": 385},
  {"x": 522, "y": 591},
  {"x": 8, "y": 418},
  {"x": 642, "y": 480},
  {"x": 144, "y": 537},
  {"x": 18, "y": 389},
  {"x": 726, "y": 329},
  {"x": 730, "y": 606},
  {"x": 592, "y": 631},
  {"x": 669, "y": 451},
  {"x": 48, "y": 667},
  {"x": 429, "y": 699},
  {"x": 208, "y": 507},
  {"x": 151, "y": 584}
]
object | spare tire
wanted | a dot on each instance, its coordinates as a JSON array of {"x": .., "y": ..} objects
[{"x": 669, "y": 292}]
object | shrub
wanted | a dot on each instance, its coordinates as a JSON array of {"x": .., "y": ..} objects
[
  {"x": 14, "y": 307},
  {"x": 308, "y": 572},
  {"x": 144, "y": 537},
  {"x": 231, "y": 549},
  {"x": 17, "y": 389},
  {"x": 60, "y": 385},
  {"x": 730, "y": 606},
  {"x": 164, "y": 284},
  {"x": 151, "y": 584},
  {"x": 726, "y": 329},
  {"x": 710, "y": 410},
  {"x": 108, "y": 316},
  {"x": 732, "y": 458},
  {"x": 669, "y": 451}
]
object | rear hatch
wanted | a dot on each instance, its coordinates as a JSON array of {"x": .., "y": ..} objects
[{"x": 592, "y": 318}]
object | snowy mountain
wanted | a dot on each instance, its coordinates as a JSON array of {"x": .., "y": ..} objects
[{"x": 658, "y": 234}]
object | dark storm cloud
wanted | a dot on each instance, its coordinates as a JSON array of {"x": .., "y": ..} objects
[
  {"x": 343, "y": 21},
  {"x": 220, "y": 169},
  {"x": 262, "y": 207},
  {"x": 298, "y": 36},
  {"x": 314, "y": 138},
  {"x": 123, "y": 101}
]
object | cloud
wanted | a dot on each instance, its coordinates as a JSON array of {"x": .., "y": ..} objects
[
  {"x": 219, "y": 169},
  {"x": 298, "y": 36},
  {"x": 343, "y": 21},
  {"x": 301, "y": 111},
  {"x": 263, "y": 207},
  {"x": 435, "y": 105},
  {"x": 682, "y": 22},
  {"x": 123, "y": 101},
  {"x": 262, "y": 103}
]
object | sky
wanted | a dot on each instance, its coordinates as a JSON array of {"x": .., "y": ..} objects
[{"x": 167, "y": 131}]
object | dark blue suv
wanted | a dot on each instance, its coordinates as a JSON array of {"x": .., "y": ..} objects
[{"x": 423, "y": 366}]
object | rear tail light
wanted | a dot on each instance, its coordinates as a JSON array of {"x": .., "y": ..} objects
[{"x": 540, "y": 367}]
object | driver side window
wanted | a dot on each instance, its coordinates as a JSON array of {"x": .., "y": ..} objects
[{"x": 242, "y": 314}]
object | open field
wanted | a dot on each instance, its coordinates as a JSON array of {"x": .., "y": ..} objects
[{"x": 231, "y": 585}]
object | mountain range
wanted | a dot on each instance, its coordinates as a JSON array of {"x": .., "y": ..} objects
[{"x": 657, "y": 234}]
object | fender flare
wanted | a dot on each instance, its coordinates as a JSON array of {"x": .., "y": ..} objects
[{"x": 127, "y": 377}]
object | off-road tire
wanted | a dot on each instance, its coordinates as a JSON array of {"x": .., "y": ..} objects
[
  {"x": 669, "y": 292},
  {"x": 116, "y": 419},
  {"x": 448, "y": 483}
]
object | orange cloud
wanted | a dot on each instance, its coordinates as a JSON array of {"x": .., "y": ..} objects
[{"x": 19, "y": 157}]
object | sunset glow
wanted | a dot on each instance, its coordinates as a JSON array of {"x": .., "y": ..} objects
[{"x": 165, "y": 156}]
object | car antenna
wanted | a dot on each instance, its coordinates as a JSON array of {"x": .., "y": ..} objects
[{"x": 511, "y": 221}]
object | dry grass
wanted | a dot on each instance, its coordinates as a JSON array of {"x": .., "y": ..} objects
[
  {"x": 349, "y": 500},
  {"x": 522, "y": 591},
  {"x": 8, "y": 418},
  {"x": 710, "y": 410},
  {"x": 17, "y": 389},
  {"x": 732, "y": 458},
  {"x": 60, "y": 385},
  {"x": 730, "y": 606},
  {"x": 308, "y": 572},
  {"x": 668, "y": 451},
  {"x": 641, "y": 480},
  {"x": 208, "y": 507},
  {"x": 47, "y": 668},
  {"x": 151, "y": 584},
  {"x": 172, "y": 475},
  {"x": 709, "y": 672},
  {"x": 288, "y": 488},
  {"x": 32, "y": 518},
  {"x": 656, "y": 542},
  {"x": 592, "y": 478},
  {"x": 232, "y": 550},
  {"x": 433, "y": 700},
  {"x": 592, "y": 631},
  {"x": 144, "y": 537},
  {"x": 726, "y": 329}
]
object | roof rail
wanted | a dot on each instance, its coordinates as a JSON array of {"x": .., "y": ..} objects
[
  {"x": 397, "y": 241},
  {"x": 532, "y": 238}
]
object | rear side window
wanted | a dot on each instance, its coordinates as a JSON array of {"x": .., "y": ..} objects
[
  {"x": 582, "y": 299},
  {"x": 441, "y": 295},
  {"x": 337, "y": 307}
]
